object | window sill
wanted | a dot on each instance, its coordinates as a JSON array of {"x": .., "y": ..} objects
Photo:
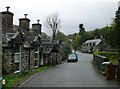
[
  {"x": 36, "y": 66},
  {"x": 17, "y": 71}
]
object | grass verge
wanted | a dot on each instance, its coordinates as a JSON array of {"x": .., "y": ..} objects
[{"x": 14, "y": 80}]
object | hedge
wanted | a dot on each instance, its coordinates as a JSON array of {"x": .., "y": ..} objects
[{"x": 111, "y": 56}]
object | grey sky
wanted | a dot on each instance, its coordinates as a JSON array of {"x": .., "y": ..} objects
[{"x": 92, "y": 13}]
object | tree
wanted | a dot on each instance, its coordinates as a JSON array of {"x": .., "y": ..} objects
[
  {"x": 117, "y": 28},
  {"x": 82, "y": 33},
  {"x": 61, "y": 36},
  {"x": 82, "y": 30},
  {"x": 78, "y": 39},
  {"x": 53, "y": 22},
  {"x": 96, "y": 33}
]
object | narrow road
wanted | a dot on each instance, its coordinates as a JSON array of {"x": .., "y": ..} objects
[{"x": 78, "y": 74}]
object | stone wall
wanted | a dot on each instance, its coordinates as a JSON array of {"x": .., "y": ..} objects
[
  {"x": 24, "y": 60},
  {"x": 25, "y": 57},
  {"x": 53, "y": 56},
  {"x": 98, "y": 60},
  {"x": 32, "y": 59},
  {"x": 8, "y": 61}
]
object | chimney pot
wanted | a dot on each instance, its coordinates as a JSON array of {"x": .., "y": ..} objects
[
  {"x": 38, "y": 21},
  {"x": 101, "y": 37},
  {"x": 25, "y": 15},
  {"x": 7, "y": 8}
]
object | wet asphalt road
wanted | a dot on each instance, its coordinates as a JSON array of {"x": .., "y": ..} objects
[{"x": 78, "y": 74}]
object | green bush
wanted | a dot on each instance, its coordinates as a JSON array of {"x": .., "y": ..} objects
[
  {"x": 108, "y": 54},
  {"x": 111, "y": 56},
  {"x": 66, "y": 50},
  {"x": 114, "y": 59}
]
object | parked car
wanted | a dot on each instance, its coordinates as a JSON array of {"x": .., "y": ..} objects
[
  {"x": 72, "y": 58},
  {"x": 0, "y": 82}
]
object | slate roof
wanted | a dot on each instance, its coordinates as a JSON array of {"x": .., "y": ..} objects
[
  {"x": 6, "y": 38},
  {"x": 47, "y": 47},
  {"x": 94, "y": 41},
  {"x": 29, "y": 38},
  {"x": 9, "y": 36},
  {"x": 45, "y": 37},
  {"x": 28, "y": 45}
]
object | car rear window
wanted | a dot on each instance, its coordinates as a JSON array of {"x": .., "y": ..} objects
[{"x": 72, "y": 55}]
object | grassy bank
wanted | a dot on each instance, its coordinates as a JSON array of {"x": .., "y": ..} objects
[{"x": 13, "y": 80}]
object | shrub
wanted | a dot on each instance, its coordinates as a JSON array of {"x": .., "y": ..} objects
[
  {"x": 114, "y": 59},
  {"x": 112, "y": 56},
  {"x": 66, "y": 50}
]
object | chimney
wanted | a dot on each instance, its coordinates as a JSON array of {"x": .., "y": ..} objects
[
  {"x": 8, "y": 17},
  {"x": 95, "y": 37},
  {"x": 101, "y": 37},
  {"x": 37, "y": 27},
  {"x": 24, "y": 22}
]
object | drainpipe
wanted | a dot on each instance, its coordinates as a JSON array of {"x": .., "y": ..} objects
[
  {"x": 29, "y": 60},
  {"x": 1, "y": 50},
  {"x": 20, "y": 58},
  {"x": 38, "y": 56}
]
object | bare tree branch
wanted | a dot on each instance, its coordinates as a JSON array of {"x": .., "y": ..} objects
[{"x": 53, "y": 22}]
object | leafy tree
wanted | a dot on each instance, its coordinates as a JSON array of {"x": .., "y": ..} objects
[
  {"x": 78, "y": 39},
  {"x": 82, "y": 30},
  {"x": 66, "y": 50},
  {"x": 67, "y": 45},
  {"x": 61, "y": 36},
  {"x": 117, "y": 28},
  {"x": 96, "y": 33}
]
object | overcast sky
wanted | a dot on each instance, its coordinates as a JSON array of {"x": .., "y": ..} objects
[{"x": 92, "y": 13}]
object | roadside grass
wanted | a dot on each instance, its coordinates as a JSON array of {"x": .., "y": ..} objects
[{"x": 14, "y": 80}]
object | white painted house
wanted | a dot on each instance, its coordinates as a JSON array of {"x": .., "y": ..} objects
[{"x": 95, "y": 45}]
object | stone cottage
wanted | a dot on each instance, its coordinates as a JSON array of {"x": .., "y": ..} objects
[
  {"x": 24, "y": 48},
  {"x": 95, "y": 45}
]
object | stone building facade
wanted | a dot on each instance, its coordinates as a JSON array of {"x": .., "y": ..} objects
[
  {"x": 95, "y": 45},
  {"x": 24, "y": 48}
]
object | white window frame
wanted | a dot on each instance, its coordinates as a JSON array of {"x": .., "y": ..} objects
[
  {"x": 14, "y": 57},
  {"x": 18, "y": 61},
  {"x": 37, "y": 52}
]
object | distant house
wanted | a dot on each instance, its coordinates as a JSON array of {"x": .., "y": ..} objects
[
  {"x": 24, "y": 48},
  {"x": 95, "y": 45}
]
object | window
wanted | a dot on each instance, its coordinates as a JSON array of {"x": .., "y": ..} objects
[
  {"x": 36, "y": 63},
  {"x": 93, "y": 44},
  {"x": 90, "y": 44},
  {"x": 17, "y": 58},
  {"x": 36, "y": 57},
  {"x": 17, "y": 48}
]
